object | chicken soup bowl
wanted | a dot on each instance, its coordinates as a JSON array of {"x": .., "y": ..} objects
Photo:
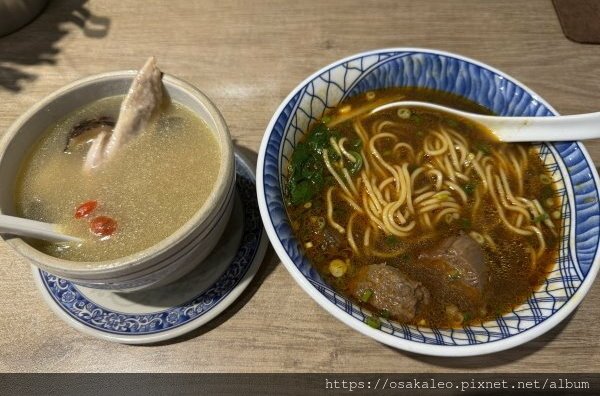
[
  {"x": 165, "y": 261},
  {"x": 575, "y": 180}
]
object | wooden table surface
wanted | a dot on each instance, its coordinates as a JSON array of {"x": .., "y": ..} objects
[{"x": 247, "y": 56}]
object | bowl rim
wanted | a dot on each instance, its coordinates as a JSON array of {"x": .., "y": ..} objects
[
  {"x": 137, "y": 260},
  {"x": 388, "y": 339}
]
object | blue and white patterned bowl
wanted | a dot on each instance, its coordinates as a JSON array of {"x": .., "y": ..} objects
[{"x": 573, "y": 272}]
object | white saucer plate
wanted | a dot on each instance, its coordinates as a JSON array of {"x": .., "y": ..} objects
[{"x": 180, "y": 307}]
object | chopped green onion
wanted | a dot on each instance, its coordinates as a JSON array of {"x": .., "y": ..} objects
[
  {"x": 477, "y": 237},
  {"x": 454, "y": 275},
  {"x": 540, "y": 218},
  {"x": 469, "y": 160},
  {"x": 373, "y": 322},
  {"x": 318, "y": 220},
  {"x": 385, "y": 314},
  {"x": 466, "y": 317},
  {"x": 404, "y": 113},
  {"x": 326, "y": 119},
  {"x": 338, "y": 268},
  {"x": 442, "y": 195},
  {"x": 366, "y": 295},
  {"x": 545, "y": 179},
  {"x": 321, "y": 222}
]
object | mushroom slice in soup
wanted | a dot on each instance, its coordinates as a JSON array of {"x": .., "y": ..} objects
[{"x": 87, "y": 131}]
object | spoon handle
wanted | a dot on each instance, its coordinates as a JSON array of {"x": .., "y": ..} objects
[
  {"x": 522, "y": 129},
  {"x": 33, "y": 228},
  {"x": 543, "y": 129}
]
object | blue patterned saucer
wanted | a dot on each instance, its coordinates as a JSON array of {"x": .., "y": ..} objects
[{"x": 172, "y": 310}]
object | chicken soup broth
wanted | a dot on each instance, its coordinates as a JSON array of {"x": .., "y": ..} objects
[{"x": 152, "y": 186}]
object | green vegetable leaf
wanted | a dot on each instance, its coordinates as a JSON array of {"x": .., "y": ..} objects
[
  {"x": 312, "y": 170},
  {"x": 319, "y": 138},
  {"x": 306, "y": 169},
  {"x": 301, "y": 154},
  {"x": 356, "y": 145},
  {"x": 469, "y": 188},
  {"x": 300, "y": 192},
  {"x": 356, "y": 166}
]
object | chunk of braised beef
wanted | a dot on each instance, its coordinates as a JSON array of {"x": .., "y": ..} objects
[
  {"x": 462, "y": 258},
  {"x": 387, "y": 289}
]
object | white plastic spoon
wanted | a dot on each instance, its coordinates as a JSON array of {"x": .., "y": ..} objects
[
  {"x": 522, "y": 129},
  {"x": 33, "y": 229}
]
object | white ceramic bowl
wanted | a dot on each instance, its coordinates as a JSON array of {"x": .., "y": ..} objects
[
  {"x": 167, "y": 260},
  {"x": 571, "y": 274}
]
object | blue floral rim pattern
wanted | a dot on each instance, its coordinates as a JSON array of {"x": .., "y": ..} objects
[
  {"x": 568, "y": 163},
  {"x": 77, "y": 306}
]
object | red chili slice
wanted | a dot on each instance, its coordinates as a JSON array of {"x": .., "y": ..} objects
[
  {"x": 103, "y": 226},
  {"x": 85, "y": 209}
]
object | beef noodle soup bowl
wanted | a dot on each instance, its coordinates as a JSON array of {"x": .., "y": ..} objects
[
  {"x": 418, "y": 228},
  {"x": 154, "y": 211}
]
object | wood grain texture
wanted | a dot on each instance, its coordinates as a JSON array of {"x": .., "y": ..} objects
[{"x": 247, "y": 56}]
